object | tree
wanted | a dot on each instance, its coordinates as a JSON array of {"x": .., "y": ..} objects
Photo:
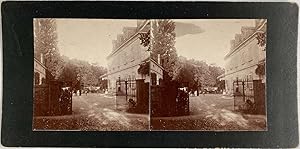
[
  {"x": 261, "y": 41},
  {"x": 89, "y": 73},
  {"x": 215, "y": 72},
  {"x": 164, "y": 44},
  {"x": 68, "y": 74},
  {"x": 197, "y": 73},
  {"x": 180, "y": 69},
  {"x": 45, "y": 42}
]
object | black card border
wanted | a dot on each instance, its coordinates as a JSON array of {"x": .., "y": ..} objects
[{"x": 281, "y": 61}]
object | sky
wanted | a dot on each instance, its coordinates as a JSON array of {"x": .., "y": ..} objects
[
  {"x": 89, "y": 39},
  {"x": 201, "y": 39},
  {"x": 212, "y": 42}
]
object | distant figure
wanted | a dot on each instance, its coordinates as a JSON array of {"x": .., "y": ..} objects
[
  {"x": 195, "y": 93},
  {"x": 224, "y": 93},
  {"x": 237, "y": 89},
  {"x": 203, "y": 93},
  {"x": 249, "y": 106},
  {"x": 191, "y": 93},
  {"x": 132, "y": 103}
]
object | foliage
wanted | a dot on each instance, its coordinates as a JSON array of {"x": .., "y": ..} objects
[
  {"x": 144, "y": 68},
  {"x": 164, "y": 44},
  {"x": 145, "y": 38},
  {"x": 89, "y": 74},
  {"x": 260, "y": 70},
  {"x": 197, "y": 73},
  {"x": 261, "y": 39},
  {"x": 61, "y": 67},
  {"x": 45, "y": 42}
]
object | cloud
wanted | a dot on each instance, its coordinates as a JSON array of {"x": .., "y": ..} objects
[{"x": 183, "y": 29}]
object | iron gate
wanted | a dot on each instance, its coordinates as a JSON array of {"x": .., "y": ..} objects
[
  {"x": 249, "y": 96},
  {"x": 132, "y": 95}
]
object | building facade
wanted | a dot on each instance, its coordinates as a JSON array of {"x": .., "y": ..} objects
[
  {"x": 246, "y": 56},
  {"x": 39, "y": 69},
  {"x": 129, "y": 55}
]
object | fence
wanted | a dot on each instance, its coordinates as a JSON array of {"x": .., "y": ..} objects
[
  {"x": 132, "y": 95},
  {"x": 249, "y": 96}
]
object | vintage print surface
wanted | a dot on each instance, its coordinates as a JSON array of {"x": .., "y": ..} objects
[
  {"x": 150, "y": 74},
  {"x": 91, "y": 74},
  {"x": 213, "y": 75}
]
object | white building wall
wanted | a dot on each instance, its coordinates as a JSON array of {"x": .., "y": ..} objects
[
  {"x": 154, "y": 68},
  {"x": 39, "y": 68},
  {"x": 243, "y": 62},
  {"x": 125, "y": 63}
]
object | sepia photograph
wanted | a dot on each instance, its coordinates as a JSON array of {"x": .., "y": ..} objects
[
  {"x": 91, "y": 74},
  {"x": 151, "y": 74},
  {"x": 213, "y": 75}
]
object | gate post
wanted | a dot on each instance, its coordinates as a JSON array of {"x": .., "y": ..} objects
[
  {"x": 49, "y": 100},
  {"x": 126, "y": 90},
  {"x": 142, "y": 94},
  {"x": 233, "y": 95},
  {"x": 243, "y": 83}
]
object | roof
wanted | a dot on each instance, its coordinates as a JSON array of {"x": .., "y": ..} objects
[
  {"x": 36, "y": 60},
  {"x": 237, "y": 47},
  {"x": 103, "y": 76},
  {"x": 160, "y": 66},
  {"x": 221, "y": 76},
  {"x": 139, "y": 30}
]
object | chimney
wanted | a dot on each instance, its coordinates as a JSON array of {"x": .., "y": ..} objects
[
  {"x": 247, "y": 31},
  {"x": 158, "y": 59},
  {"x": 128, "y": 31},
  {"x": 42, "y": 58},
  {"x": 232, "y": 44},
  {"x": 258, "y": 22},
  {"x": 237, "y": 39},
  {"x": 139, "y": 23},
  {"x": 114, "y": 44},
  {"x": 119, "y": 38}
]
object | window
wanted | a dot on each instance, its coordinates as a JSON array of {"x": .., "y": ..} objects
[
  {"x": 250, "y": 77},
  {"x": 250, "y": 55},
  {"x": 43, "y": 81},
  {"x": 244, "y": 57},
  {"x": 36, "y": 78},
  {"x": 128, "y": 77},
  {"x": 153, "y": 78}
]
